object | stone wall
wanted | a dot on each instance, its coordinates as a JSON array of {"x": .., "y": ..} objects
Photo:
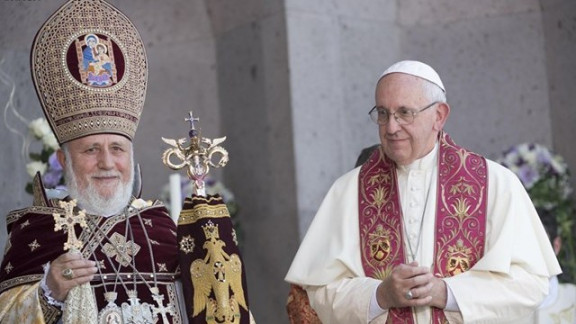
[{"x": 290, "y": 84}]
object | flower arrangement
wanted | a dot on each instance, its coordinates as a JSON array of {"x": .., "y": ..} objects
[
  {"x": 44, "y": 162},
  {"x": 546, "y": 177}
]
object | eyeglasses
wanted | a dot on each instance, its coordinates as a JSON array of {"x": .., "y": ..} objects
[{"x": 403, "y": 116}]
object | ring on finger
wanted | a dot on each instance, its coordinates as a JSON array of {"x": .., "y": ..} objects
[
  {"x": 409, "y": 295},
  {"x": 68, "y": 274}
]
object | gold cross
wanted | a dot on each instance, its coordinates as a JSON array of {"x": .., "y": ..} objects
[{"x": 67, "y": 223}]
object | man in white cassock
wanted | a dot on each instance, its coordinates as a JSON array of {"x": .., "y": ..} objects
[
  {"x": 424, "y": 231},
  {"x": 559, "y": 307}
]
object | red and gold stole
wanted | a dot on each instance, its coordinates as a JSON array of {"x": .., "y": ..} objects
[{"x": 460, "y": 217}]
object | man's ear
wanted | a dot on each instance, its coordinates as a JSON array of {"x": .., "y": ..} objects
[
  {"x": 442, "y": 113},
  {"x": 61, "y": 158},
  {"x": 557, "y": 244}
]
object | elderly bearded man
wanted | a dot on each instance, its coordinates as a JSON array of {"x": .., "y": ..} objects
[
  {"x": 133, "y": 263},
  {"x": 424, "y": 231}
]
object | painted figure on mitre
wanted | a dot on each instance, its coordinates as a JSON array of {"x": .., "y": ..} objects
[{"x": 97, "y": 65}]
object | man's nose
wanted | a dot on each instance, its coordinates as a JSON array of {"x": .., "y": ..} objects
[
  {"x": 392, "y": 126},
  {"x": 105, "y": 160}
]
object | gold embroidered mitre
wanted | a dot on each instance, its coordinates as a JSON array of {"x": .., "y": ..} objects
[{"x": 90, "y": 71}]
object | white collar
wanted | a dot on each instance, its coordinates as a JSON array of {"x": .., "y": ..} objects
[{"x": 427, "y": 162}]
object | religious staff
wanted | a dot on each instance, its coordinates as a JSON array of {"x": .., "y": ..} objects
[
  {"x": 424, "y": 231},
  {"x": 131, "y": 250}
]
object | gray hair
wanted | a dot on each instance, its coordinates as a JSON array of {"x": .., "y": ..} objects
[{"x": 432, "y": 91}]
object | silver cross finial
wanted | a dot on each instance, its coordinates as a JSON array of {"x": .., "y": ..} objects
[{"x": 192, "y": 119}]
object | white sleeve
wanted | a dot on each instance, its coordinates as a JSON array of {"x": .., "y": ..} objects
[
  {"x": 343, "y": 301},
  {"x": 483, "y": 296},
  {"x": 375, "y": 309},
  {"x": 451, "y": 304}
]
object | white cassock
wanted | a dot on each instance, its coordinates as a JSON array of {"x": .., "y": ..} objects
[
  {"x": 559, "y": 307},
  {"x": 506, "y": 284}
]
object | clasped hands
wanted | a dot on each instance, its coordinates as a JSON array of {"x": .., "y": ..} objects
[
  {"x": 68, "y": 271},
  {"x": 410, "y": 285}
]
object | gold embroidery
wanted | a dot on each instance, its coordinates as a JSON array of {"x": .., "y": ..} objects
[
  {"x": 187, "y": 244},
  {"x": 382, "y": 273},
  {"x": 190, "y": 216},
  {"x": 162, "y": 267},
  {"x": 8, "y": 267},
  {"x": 34, "y": 245},
  {"x": 51, "y": 313},
  {"x": 219, "y": 273},
  {"x": 26, "y": 223},
  {"x": 379, "y": 243},
  {"x": 461, "y": 208},
  {"x": 462, "y": 187},
  {"x": 379, "y": 178},
  {"x": 121, "y": 249},
  {"x": 101, "y": 264},
  {"x": 379, "y": 197},
  {"x": 458, "y": 260}
]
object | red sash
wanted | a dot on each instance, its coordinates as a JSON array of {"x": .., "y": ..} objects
[{"x": 460, "y": 217}]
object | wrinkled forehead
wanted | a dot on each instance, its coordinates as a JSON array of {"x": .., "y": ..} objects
[
  {"x": 399, "y": 88},
  {"x": 101, "y": 140}
]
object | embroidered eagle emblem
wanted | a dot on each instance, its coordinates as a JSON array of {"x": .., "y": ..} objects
[{"x": 217, "y": 281}]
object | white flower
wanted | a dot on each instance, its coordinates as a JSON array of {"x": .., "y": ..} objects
[
  {"x": 50, "y": 141},
  {"x": 39, "y": 128},
  {"x": 559, "y": 165},
  {"x": 36, "y": 166}
]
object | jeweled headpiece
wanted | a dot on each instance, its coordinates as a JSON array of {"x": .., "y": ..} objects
[{"x": 90, "y": 71}]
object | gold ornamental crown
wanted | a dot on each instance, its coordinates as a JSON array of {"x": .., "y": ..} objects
[
  {"x": 211, "y": 231},
  {"x": 90, "y": 71}
]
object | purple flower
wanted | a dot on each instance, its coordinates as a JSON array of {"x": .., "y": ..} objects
[
  {"x": 53, "y": 163},
  {"x": 52, "y": 178},
  {"x": 53, "y": 175},
  {"x": 528, "y": 175}
]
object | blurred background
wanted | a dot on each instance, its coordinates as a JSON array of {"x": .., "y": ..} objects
[{"x": 290, "y": 84}]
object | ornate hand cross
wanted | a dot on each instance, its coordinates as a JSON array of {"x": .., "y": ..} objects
[{"x": 67, "y": 223}]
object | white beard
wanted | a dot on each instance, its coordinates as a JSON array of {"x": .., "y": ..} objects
[{"x": 91, "y": 201}]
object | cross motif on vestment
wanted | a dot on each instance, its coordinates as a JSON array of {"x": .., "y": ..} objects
[{"x": 67, "y": 222}]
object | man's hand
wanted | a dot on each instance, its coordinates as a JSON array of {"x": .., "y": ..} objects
[
  {"x": 82, "y": 272},
  {"x": 426, "y": 290}
]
